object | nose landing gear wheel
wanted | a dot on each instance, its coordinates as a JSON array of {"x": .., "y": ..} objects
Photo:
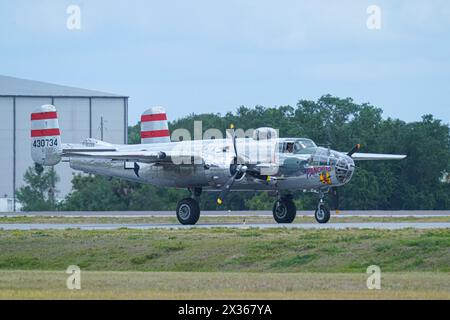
[
  {"x": 188, "y": 211},
  {"x": 284, "y": 211},
  {"x": 322, "y": 213}
]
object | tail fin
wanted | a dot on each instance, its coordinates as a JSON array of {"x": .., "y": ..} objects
[
  {"x": 154, "y": 127},
  {"x": 46, "y": 146}
]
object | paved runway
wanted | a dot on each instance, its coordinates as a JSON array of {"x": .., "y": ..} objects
[
  {"x": 109, "y": 226},
  {"x": 131, "y": 214},
  {"x": 122, "y": 214}
]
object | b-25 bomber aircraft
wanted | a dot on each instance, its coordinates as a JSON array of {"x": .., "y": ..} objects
[{"x": 262, "y": 162}]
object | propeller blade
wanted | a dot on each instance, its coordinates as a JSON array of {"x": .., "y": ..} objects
[
  {"x": 354, "y": 150},
  {"x": 226, "y": 188},
  {"x": 233, "y": 137},
  {"x": 239, "y": 169}
]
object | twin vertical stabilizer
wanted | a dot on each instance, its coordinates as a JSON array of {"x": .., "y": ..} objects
[
  {"x": 154, "y": 126},
  {"x": 46, "y": 146}
]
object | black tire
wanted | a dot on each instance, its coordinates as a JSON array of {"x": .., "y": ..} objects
[
  {"x": 322, "y": 213},
  {"x": 284, "y": 211},
  {"x": 188, "y": 211}
]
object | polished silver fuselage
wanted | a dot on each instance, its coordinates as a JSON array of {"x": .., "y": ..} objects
[{"x": 310, "y": 169}]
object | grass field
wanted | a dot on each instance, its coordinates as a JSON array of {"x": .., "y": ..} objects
[
  {"x": 206, "y": 285},
  {"x": 225, "y": 263},
  {"x": 249, "y": 250}
]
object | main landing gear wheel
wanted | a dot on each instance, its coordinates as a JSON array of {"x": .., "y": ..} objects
[
  {"x": 188, "y": 211},
  {"x": 284, "y": 211},
  {"x": 322, "y": 213}
]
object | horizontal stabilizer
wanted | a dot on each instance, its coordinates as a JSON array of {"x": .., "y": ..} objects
[{"x": 88, "y": 145}]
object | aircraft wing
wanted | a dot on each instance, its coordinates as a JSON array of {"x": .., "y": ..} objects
[
  {"x": 137, "y": 156},
  {"x": 377, "y": 156}
]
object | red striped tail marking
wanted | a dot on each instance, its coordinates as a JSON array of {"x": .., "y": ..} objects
[
  {"x": 153, "y": 117},
  {"x": 44, "y": 115},
  {"x": 45, "y": 133},
  {"x": 155, "y": 134}
]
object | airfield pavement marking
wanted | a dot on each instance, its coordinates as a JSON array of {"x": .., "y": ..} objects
[
  {"x": 334, "y": 226},
  {"x": 143, "y": 214}
]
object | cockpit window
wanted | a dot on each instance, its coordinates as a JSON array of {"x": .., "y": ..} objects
[
  {"x": 306, "y": 143},
  {"x": 290, "y": 147},
  {"x": 303, "y": 145},
  {"x": 298, "y": 146}
]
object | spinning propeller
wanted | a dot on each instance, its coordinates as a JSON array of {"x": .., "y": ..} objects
[{"x": 239, "y": 169}]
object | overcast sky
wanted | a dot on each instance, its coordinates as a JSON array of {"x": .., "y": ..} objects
[{"x": 213, "y": 56}]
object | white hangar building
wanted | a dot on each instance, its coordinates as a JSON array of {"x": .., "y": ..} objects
[{"x": 82, "y": 114}]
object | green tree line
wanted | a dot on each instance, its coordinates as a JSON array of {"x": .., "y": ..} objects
[{"x": 418, "y": 182}]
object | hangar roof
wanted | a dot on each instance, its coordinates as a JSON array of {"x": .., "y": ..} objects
[{"x": 11, "y": 86}]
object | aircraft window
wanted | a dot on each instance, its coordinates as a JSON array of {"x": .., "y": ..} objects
[
  {"x": 296, "y": 147},
  {"x": 307, "y": 143},
  {"x": 289, "y": 147},
  {"x": 302, "y": 146}
]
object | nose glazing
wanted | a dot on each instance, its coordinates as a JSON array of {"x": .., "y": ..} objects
[{"x": 344, "y": 169}]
